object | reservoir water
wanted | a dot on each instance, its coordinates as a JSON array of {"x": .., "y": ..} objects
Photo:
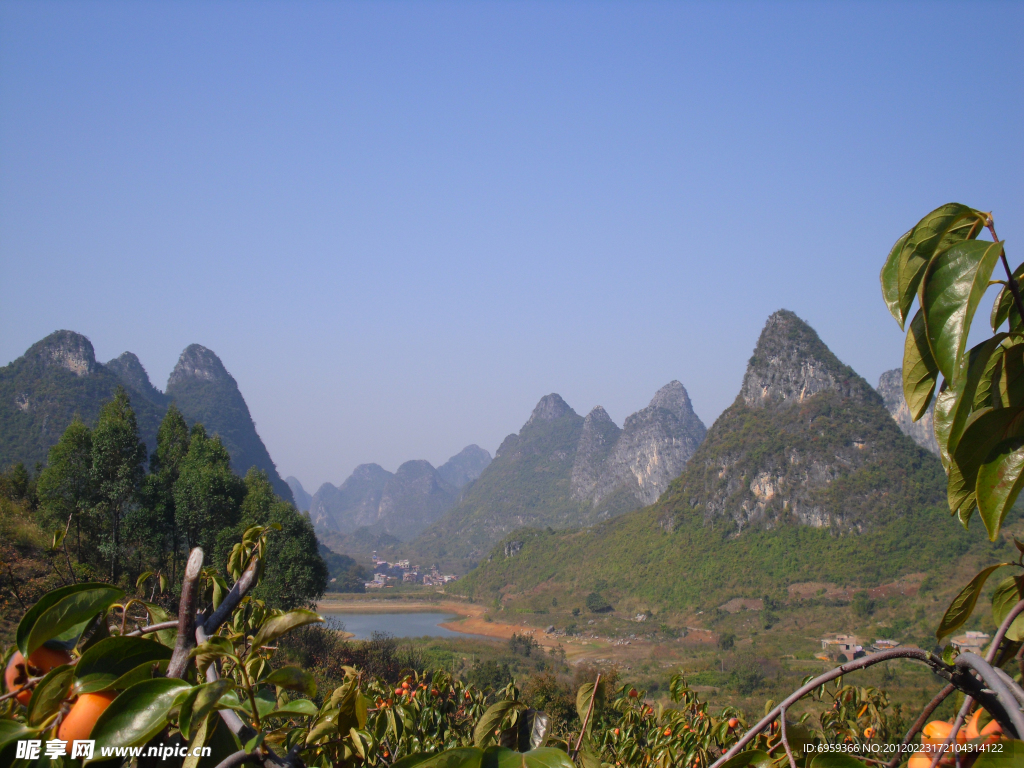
[{"x": 362, "y": 625}]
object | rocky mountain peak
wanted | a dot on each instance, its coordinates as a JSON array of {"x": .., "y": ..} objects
[
  {"x": 791, "y": 363},
  {"x": 198, "y": 362},
  {"x": 65, "y": 349},
  {"x": 549, "y": 408},
  {"x": 465, "y": 466},
  {"x": 672, "y": 397},
  {"x": 130, "y": 371}
]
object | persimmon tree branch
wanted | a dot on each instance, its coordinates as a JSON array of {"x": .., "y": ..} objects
[
  {"x": 154, "y": 628},
  {"x": 940, "y": 697},
  {"x": 187, "y": 614},
  {"x": 785, "y": 739},
  {"x": 1010, "y": 281}
]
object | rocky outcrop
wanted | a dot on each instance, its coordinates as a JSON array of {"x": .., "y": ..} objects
[
  {"x": 807, "y": 441},
  {"x": 130, "y": 371},
  {"x": 791, "y": 364},
  {"x": 300, "y": 494},
  {"x": 642, "y": 458},
  {"x": 351, "y": 505},
  {"x": 597, "y": 440},
  {"x": 65, "y": 349},
  {"x": 204, "y": 391},
  {"x": 549, "y": 408},
  {"x": 465, "y": 466},
  {"x": 922, "y": 432}
]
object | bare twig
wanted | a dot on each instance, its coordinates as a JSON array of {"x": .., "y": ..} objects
[
  {"x": 153, "y": 628},
  {"x": 1011, "y": 719},
  {"x": 187, "y": 614},
  {"x": 933, "y": 661},
  {"x": 28, "y": 686},
  {"x": 590, "y": 709},
  {"x": 785, "y": 740},
  {"x": 64, "y": 546},
  {"x": 232, "y": 598}
]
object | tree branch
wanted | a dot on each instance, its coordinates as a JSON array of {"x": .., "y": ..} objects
[
  {"x": 785, "y": 739},
  {"x": 933, "y": 661},
  {"x": 232, "y": 598},
  {"x": 153, "y": 628},
  {"x": 940, "y": 697},
  {"x": 1012, "y": 720},
  {"x": 237, "y": 758},
  {"x": 1011, "y": 283},
  {"x": 187, "y": 614}
]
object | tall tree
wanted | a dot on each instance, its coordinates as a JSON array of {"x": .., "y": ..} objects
[
  {"x": 207, "y": 494},
  {"x": 172, "y": 444},
  {"x": 118, "y": 458},
  {"x": 66, "y": 488},
  {"x": 295, "y": 573}
]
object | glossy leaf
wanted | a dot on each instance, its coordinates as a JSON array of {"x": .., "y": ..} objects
[
  {"x": 1008, "y": 380},
  {"x": 963, "y": 604},
  {"x": 937, "y": 231},
  {"x": 114, "y": 657},
  {"x": 1004, "y": 308},
  {"x": 158, "y": 615},
  {"x": 545, "y": 757},
  {"x": 1009, "y": 592},
  {"x": 302, "y": 707},
  {"x": 920, "y": 372},
  {"x": 984, "y": 431},
  {"x": 586, "y": 694},
  {"x": 12, "y": 730},
  {"x": 490, "y": 721},
  {"x": 464, "y": 757},
  {"x": 276, "y": 626},
  {"x": 200, "y": 701},
  {"x": 1011, "y": 755},
  {"x": 942, "y": 418},
  {"x": 890, "y": 278},
  {"x": 294, "y": 679},
  {"x": 1000, "y": 479},
  {"x": 138, "y": 714},
  {"x": 63, "y": 614},
  {"x": 836, "y": 761},
  {"x": 752, "y": 757},
  {"x": 978, "y": 362},
  {"x": 953, "y": 286},
  {"x": 49, "y": 693}
]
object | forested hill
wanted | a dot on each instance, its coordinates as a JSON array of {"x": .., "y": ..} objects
[
  {"x": 805, "y": 478},
  {"x": 58, "y": 378}
]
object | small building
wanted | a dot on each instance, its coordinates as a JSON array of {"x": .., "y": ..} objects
[{"x": 970, "y": 642}]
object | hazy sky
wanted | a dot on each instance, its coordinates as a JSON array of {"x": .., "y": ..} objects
[{"x": 400, "y": 224}]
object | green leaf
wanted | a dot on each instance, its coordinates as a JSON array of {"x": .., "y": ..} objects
[
  {"x": 63, "y": 614},
  {"x": 1008, "y": 378},
  {"x": 963, "y": 604},
  {"x": 920, "y": 372},
  {"x": 836, "y": 761},
  {"x": 490, "y": 721},
  {"x": 1000, "y": 479},
  {"x": 1011, "y": 756},
  {"x": 754, "y": 757},
  {"x": 1009, "y": 592},
  {"x": 934, "y": 233},
  {"x": 1004, "y": 304},
  {"x": 585, "y": 695},
  {"x": 545, "y": 757},
  {"x": 302, "y": 707},
  {"x": 49, "y": 693},
  {"x": 410, "y": 760},
  {"x": 276, "y": 626},
  {"x": 114, "y": 657},
  {"x": 294, "y": 679},
  {"x": 463, "y": 757},
  {"x": 942, "y": 418},
  {"x": 198, "y": 740},
  {"x": 158, "y": 615},
  {"x": 985, "y": 429},
  {"x": 890, "y": 279},
  {"x": 200, "y": 701},
  {"x": 951, "y": 290},
  {"x": 137, "y": 715},
  {"x": 966, "y": 385},
  {"x": 12, "y": 730}
]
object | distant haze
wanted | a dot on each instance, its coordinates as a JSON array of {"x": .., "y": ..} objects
[{"x": 399, "y": 225}]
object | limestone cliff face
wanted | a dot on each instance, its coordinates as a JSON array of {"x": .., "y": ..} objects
[
  {"x": 922, "y": 432},
  {"x": 807, "y": 441},
  {"x": 65, "y": 349},
  {"x": 640, "y": 460},
  {"x": 790, "y": 364},
  {"x": 129, "y": 370},
  {"x": 300, "y": 494},
  {"x": 352, "y": 504},
  {"x": 204, "y": 391}
]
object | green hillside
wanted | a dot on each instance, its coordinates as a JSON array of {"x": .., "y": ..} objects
[
  {"x": 527, "y": 484},
  {"x": 805, "y": 478},
  {"x": 43, "y": 390}
]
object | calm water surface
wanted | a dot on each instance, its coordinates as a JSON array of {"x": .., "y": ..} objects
[{"x": 362, "y": 625}]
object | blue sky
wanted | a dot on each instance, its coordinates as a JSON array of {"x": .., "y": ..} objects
[{"x": 400, "y": 224}]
